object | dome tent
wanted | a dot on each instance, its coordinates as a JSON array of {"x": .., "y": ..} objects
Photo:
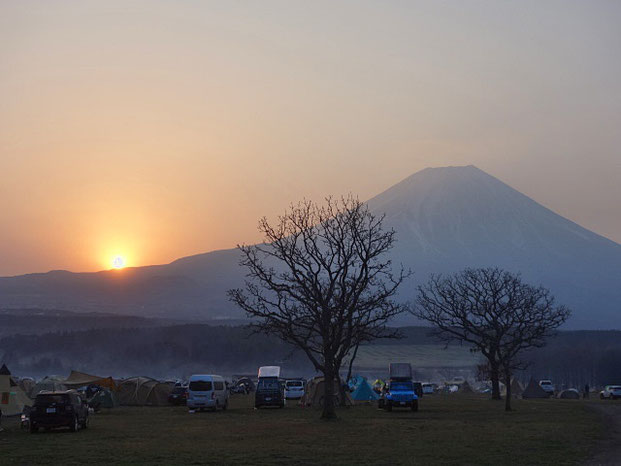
[
  {"x": 533, "y": 390},
  {"x": 570, "y": 394},
  {"x": 49, "y": 383},
  {"x": 363, "y": 391},
  {"x": 143, "y": 391},
  {"x": 314, "y": 393}
]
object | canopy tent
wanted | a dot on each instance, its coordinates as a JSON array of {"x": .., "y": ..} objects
[
  {"x": 533, "y": 390},
  {"x": 49, "y": 383},
  {"x": 12, "y": 397},
  {"x": 143, "y": 391},
  {"x": 570, "y": 394},
  {"x": 364, "y": 392},
  {"x": 80, "y": 379},
  {"x": 314, "y": 393}
]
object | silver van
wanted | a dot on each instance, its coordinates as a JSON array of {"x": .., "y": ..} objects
[{"x": 207, "y": 391}]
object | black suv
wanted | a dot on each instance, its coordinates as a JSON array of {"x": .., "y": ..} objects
[
  {"x": 270, "y": 392},
  {"x": 59, "y": 409}
]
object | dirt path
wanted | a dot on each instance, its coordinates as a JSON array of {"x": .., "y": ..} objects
[{"x": 608, "y": 452}]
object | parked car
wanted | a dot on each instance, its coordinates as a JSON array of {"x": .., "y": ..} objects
[
  {"x": 294, "y": 389},
  {"x": 610, "y": 392},
  {"x": 178, "y": 396},
  {"x": 53, "y": 409},
  {"x": 547, "y": 386},
  {"x": 207, "y": 391},
  {"x": 429, "y": 388},
  {"x": 270, "y": 389}
]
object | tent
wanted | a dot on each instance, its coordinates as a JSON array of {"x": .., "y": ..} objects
[
  {"x": 533, "y": 390},
  {"x": 378, "y": 385},
  {"x": 50, "y": 383},
  {"x": 570, "y": 394},
  {"x": 516, "y": 388},
  {"x": 80, "y": 379},
  {"x": 247, "y": 382},
  {"x": 104, "y": 398},
  {"x": 12, "y": 397},
  {"x": 462, "y": 387},
  {"x": 143, "y": 391},
  {"x": 364, "y": 392},
  {"x": 26, "y": 384},
  {"x": 313, "y": 394}
]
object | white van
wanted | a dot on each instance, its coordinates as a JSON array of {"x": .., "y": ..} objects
[{"x": 207, "y": 391}]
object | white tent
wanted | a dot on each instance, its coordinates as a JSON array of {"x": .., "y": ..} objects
[{"x": 12, "y": 397}]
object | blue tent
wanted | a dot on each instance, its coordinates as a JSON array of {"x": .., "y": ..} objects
[{"x": 364, "y": 392}]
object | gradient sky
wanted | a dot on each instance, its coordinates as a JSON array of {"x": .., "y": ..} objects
[{"x": 159, "y": 129}]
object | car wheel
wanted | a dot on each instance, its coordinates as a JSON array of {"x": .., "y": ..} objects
[
  {"x": 415, "y": 406},
  {"x": 601, "y": 396},
  {"x": 75, "y": 425},
  {"x": 85, "y": 423},
  {"x": 226, "y": 405},
  {"x": 33, "y": 428},
  {"x": 387, "y": 406}
]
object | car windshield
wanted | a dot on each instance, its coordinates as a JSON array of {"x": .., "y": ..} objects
[
  {"x": 294, "y": 383},
  {"x": 200, "y": 386},
  {"x": 401, "y": 386},
  {"x": 49, "y": 399},
  {"x": 614, "y": 387},
  {"x": 545, "y": 382},
  {"x": 268, "y": 384},
  {"x": 178, "y": 390}
]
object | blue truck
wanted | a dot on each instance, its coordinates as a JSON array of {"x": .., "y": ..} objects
[{"x": 399, "y": 391}]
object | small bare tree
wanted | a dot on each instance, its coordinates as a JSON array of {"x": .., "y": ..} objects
[
  {"x": 494, "y": 312},
  {"x": 321, "y": 282}
]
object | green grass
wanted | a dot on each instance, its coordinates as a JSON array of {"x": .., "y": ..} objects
[
  {"x": 420, "y": 356},
  {"x": 447, "y": 430}
]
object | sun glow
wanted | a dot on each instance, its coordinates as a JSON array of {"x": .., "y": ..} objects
[{"x": 118, "y": 262}]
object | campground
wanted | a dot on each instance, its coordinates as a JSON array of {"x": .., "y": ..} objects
[{"x": 458, "y": 429}]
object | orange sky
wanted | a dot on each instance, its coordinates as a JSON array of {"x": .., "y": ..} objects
[{"x": 158, "y": 129}]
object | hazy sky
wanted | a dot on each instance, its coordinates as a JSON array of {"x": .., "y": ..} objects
[{"x": 159, "y": 129}]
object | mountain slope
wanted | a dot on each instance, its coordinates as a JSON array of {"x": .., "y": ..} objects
[{"x": 446, "y": 219}]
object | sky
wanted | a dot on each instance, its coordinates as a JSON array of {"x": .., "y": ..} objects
[{"x": 153, "y": 130}]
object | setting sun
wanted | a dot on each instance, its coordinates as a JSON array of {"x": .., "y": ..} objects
[{"x": 118, "y": 262}]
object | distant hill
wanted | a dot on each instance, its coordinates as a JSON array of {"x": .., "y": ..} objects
[{"x": 446, "y": 219}]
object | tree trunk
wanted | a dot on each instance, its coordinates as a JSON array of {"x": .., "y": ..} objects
[
  {"x": 329, "y": 411},
  {"x": 494, "y": 375},
  {"x": 342, "y": 396},
  {"x": 508, "y": 387},
  {"x": 351, "y": 363}
]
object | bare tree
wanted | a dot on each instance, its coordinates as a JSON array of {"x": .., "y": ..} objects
[
  {"x": 321, "y": 282},
  {"x": 493, "y": 311}
]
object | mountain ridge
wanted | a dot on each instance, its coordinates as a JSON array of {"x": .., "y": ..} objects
[{"x": 446, "y": 218}]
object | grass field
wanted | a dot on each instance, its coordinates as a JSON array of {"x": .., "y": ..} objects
[
  {"x": 447, "y": 430},
  {"x": 420, "y": 356}
]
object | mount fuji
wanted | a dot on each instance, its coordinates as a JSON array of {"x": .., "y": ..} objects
[{"x": 446, "y": 219}]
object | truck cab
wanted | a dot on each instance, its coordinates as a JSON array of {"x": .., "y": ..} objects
[
  {"x": 400, "y": 391},
  {"x": 400, "y": 394}
]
